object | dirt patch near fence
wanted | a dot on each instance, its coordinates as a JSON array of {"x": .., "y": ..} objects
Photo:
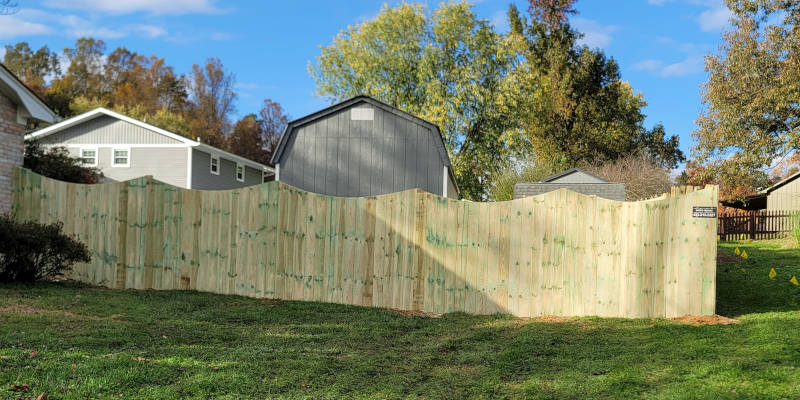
[
  {"x": 725, "y": 258},
  {"x": 25, "y": 309},
  {"x": 698, "y": 320},
  {"x": 411, "y": 313},
  {"x": 552, "y": 319}
]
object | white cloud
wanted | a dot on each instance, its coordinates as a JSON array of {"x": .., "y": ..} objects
[
  {"x": 38, "y": 22},
  {"x": 714, "y": 18},
  {"x": 648, "y": 65},
  {"x": 220, "y": 36},
  {"x": 150, "y": 31},
  {"x": 13, "y": 26},
  {"x": 690, "y": 65},
  {"x": 157, "y": 7},
  {"x": 594, "y": 34},
  {"x": 500, "y": 21},
  {"x": 657, "y": 2}
]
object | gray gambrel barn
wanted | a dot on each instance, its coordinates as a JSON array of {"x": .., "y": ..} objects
[{"x": 363, "y": 147}]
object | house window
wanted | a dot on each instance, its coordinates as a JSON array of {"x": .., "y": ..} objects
[
  {"x": 240, "y": 172},
  {"x": 120, "y": 158},
  {"x": 215, "y": 165},
  {"x": 89, "y": 157}
]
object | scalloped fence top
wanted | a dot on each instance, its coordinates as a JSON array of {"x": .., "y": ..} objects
[{"x": 560, "y": 253}]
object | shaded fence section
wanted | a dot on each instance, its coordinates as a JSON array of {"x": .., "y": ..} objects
[
  {"x": 560, "y": 253},
  {"x": 754, "y": 224}
]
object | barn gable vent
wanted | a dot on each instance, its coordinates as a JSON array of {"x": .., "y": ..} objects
[{"x": 362, "y": 114}]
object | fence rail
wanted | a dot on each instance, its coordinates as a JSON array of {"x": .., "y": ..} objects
[
  {"x": 560, "y": 253},
  {"x": 754, "y": 224}
]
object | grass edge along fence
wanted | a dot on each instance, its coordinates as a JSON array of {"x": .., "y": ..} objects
[{"x": 560, "y": 253}]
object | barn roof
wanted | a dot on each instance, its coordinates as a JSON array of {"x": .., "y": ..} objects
[{"x": 290, "y": 127}]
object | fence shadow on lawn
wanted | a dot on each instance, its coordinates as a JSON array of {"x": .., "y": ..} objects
[{"x": 301, "y": 349}]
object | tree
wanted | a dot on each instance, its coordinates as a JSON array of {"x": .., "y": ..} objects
[
  {"x": 256, "y": 136},
  {"x": 751, "y": 116},
  {"x": 212, "y": 95},
  {"x": 571, "y": 103},
  {"x": 33, "y": 68},
  {"x": 246, "y": 140},
  {"x": 643, "y": 178},
  {"x": 8, "y": 7},
  {"x": 136, "y": 80},
  {"x": 446, "y": 68},
  {"x": 84, "y": 76},
  {"x": 534, "y": 93},
  {"x": 273, "y": 123},
  {"x": 57, "y": 163}
]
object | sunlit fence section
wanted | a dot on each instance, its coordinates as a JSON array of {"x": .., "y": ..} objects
[{"x": 560, "y": 253}]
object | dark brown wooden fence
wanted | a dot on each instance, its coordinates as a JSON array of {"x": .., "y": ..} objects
[{"x": 758, "y": 224}]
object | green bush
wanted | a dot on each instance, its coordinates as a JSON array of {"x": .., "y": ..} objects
[
  {"x": 31, "y": 251},
  {"x": 58, "y": 163}
]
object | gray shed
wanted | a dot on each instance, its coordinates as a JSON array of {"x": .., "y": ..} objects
[
  {"x": 783, "y": 195},
  {"x": 574, "y": 179},
  {"x": 363, "y": 147}
]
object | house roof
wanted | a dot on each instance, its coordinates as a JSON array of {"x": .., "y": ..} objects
[
  {"x": 349, "y": 103},
  {"x": 569, "y": 172},
  {"x": 780, "y": 183},
  {"x": 98, "y": 112},
  {"x": 33, "y": 106}
]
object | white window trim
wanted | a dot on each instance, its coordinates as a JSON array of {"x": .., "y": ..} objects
[
  {"x": 211, "y": 162},
  {"x": 236, "y": 172},
  {"x": 264, "y": 175},
  {"x": 96, "y": 155},
  {"x": 126, "y": 165}
]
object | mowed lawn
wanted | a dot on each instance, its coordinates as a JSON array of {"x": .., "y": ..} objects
[{"x": 76, "y": 342}]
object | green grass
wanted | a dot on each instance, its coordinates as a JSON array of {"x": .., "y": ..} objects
[{"x": 99, "y": 343}]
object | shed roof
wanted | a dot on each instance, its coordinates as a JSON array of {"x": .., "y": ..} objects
[
  {"x": 780, "y": 183},
  {"x": 290, "y": 127},
  {"x": 570, "y": 172}
]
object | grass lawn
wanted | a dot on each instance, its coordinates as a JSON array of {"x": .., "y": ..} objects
[{"x": 77, "y": 342}]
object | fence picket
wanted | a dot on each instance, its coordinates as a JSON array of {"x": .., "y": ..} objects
[{"x": 559, "y": 253}]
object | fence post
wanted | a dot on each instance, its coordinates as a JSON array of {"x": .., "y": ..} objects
[
  {"x": 752, "y": 224},
  {"x": 122, "y": 235}
]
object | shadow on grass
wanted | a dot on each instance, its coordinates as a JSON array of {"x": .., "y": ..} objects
[
  {"x": 174, "y": 344},
  {"x": 744, "y": 285}
]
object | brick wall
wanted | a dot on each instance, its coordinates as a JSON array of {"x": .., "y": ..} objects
[
  {"x": 613, "y": 191},
  {"x": 11, "y": 149}
]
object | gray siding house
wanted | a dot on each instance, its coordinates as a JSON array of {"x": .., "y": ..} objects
[
  {"x": 363, "y": 147},
  {"x": 124, "y": 148},
  {"x": 574, "y": 179}
]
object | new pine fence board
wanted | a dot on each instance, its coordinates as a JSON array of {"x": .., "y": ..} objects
[{"x": 560, "y": 253}]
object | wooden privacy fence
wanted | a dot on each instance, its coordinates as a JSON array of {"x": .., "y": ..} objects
[
  {"x": 754, "y": 224},
  {"x": 560, "y": 253}
]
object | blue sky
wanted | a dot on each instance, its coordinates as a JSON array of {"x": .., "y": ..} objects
[{"x": 268, "y": 45}]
